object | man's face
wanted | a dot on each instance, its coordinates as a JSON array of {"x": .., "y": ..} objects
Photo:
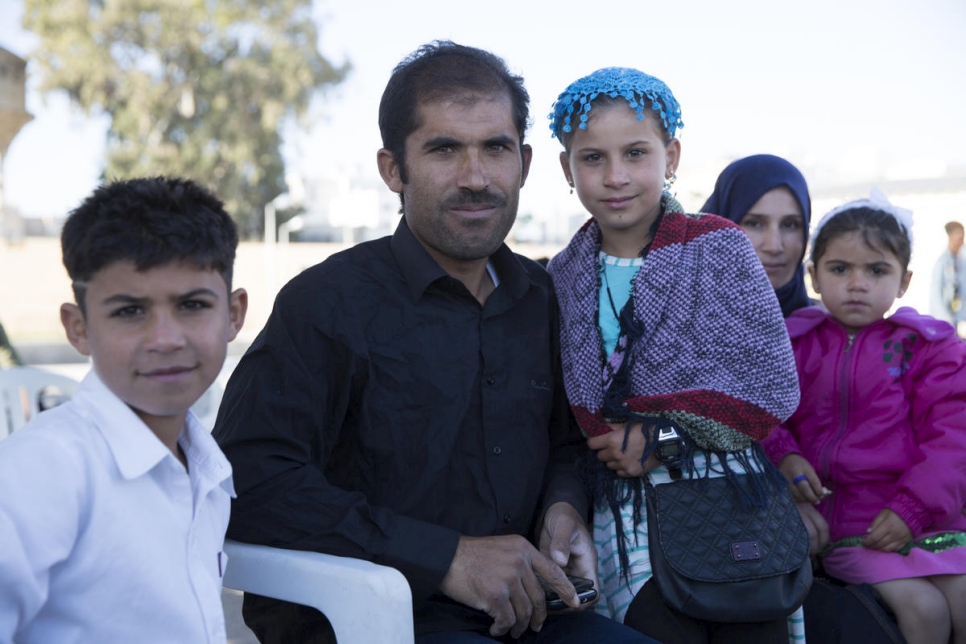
[
  {"x": 465, "y": 169},
  {"x": 157, "y": 337}
]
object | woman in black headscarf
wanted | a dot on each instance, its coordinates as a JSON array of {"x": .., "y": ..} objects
[{"x": 768, "y": 197}]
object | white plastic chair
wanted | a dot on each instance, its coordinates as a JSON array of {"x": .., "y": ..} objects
[
  {"x": 364, "y": 602},
  {"x": 26, "y": 391}
]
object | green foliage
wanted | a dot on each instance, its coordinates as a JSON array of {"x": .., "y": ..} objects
[{"x": 196, "y": 88}]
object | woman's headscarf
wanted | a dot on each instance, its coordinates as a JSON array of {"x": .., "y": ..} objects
[{"x": 742, "y": 184}]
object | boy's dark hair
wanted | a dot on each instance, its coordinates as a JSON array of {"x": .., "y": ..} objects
[
  {"x": 879, "y": 231},
  {"x": 150, "y": 222},
  {"x": 439, "y": 70}
]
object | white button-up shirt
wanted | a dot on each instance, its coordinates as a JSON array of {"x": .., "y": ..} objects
[{"x": 104, "y": 537}]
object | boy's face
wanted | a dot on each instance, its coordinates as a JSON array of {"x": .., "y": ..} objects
[{"x": 157, "y": 338}]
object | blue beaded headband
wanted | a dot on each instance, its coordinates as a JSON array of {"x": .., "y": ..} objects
[{"x": 635, "y": 86}]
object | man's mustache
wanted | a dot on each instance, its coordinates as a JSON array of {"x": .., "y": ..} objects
[{"x": 474, "y": 198}]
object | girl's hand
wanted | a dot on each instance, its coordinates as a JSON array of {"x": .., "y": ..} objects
[
  {"x": 887, "y": 533},
  {"x": 626, "y": 464},
  {"x": 805, "y": 484}
]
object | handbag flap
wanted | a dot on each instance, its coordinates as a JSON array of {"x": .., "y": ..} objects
[{"x": 707, "y": 534}]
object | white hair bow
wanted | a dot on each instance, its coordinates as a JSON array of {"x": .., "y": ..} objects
[{"x": 876, "y": 201}]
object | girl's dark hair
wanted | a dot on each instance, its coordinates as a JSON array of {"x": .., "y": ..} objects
[
  {"x": 148, "y": 222},
  {"x": 879, "y": 230}
]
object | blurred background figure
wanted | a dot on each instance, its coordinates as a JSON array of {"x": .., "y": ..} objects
[{"x": 946, "y": 298}]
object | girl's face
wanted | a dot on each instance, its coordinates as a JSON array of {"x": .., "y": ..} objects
[
  {"x": 618, "y": 166},
  {"x": 775, "y": 225},
  {"x": 858, "y": 283}
]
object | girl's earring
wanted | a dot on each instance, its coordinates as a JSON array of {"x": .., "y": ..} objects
[
  {"x": 571, "y": 183},
  {"x": 669, "y": 182}
]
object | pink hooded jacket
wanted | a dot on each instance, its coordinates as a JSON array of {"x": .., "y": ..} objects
[{"x": 882, "y": 419}]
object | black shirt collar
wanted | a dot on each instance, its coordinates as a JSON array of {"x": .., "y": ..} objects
[{"x": 420, "y": 270}]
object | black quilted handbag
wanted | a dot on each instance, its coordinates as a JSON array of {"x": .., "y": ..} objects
[{"x": 715, "y": 559}]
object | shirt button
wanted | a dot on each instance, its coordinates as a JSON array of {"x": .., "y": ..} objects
[
  {"x": 490, "y": 380},
  {"x": 497, "y": 450},
  {"x": 506, "y": 518}
]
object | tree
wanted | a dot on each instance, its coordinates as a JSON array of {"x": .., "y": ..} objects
[{"x": 196, "y": 88}]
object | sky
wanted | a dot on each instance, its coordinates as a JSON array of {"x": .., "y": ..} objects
[{"x": 845, "y": 89}]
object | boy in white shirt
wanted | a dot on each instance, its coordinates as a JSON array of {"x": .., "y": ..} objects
[{"x": 113, "y": 506}]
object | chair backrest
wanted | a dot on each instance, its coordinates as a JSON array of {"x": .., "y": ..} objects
[
  {"x": 27, "y": 391},
  {"x": 364, "y": 602}
]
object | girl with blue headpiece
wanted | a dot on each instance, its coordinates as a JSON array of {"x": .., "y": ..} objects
[
  {"x": 768, "y": 197},
  {"x": 668, "y": 321}
]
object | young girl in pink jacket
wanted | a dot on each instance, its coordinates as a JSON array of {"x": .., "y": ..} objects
[{"x": 878, "y": 442}]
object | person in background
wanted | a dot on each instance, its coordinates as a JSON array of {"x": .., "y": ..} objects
[
  {"x": 949, "y": 281},
  {"x": 403, "y": 403},
  {"x": 114, "y": 505},
  {"x": 877, "y": 442},
  {"x": 768, "y": 197}
]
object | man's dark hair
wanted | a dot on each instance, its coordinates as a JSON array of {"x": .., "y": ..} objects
[
  {"x": 150, "y": 222},
  {"x": 439, "y": 70},
  {"x": 953, "y": 227}
]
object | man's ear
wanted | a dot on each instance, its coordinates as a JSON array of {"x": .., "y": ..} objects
[
  {"x": 526, "y": 155},
  {"x": 237, "y": 308},
  {"x": 75, "y": 326},
  {"x": 389, "y": 170},
  {"x": 811, "y": 275}
]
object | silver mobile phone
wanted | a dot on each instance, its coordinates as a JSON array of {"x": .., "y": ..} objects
[{"x": 585, "y": 593}]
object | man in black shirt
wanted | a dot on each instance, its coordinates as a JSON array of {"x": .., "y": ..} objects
[{"x": 403, "y": 404}]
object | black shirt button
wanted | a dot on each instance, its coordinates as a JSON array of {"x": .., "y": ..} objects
[
  {"x": 490, "y": 380},
  {"x": 506, "y": 518},
  {"x": 497, "y": 450}
]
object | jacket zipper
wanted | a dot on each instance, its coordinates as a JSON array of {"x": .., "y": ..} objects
[{"x": 844, "y": 391}]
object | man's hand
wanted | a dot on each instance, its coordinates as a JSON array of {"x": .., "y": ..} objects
[
  {"x": 498, "y": 575},
  {"x": 627, "y": 463},
  {"x": 565, "y": 539},
  {"x": 887, "y": 532}
]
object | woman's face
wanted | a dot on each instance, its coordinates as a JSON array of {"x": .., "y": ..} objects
[{"x": 775, "y": 225}]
